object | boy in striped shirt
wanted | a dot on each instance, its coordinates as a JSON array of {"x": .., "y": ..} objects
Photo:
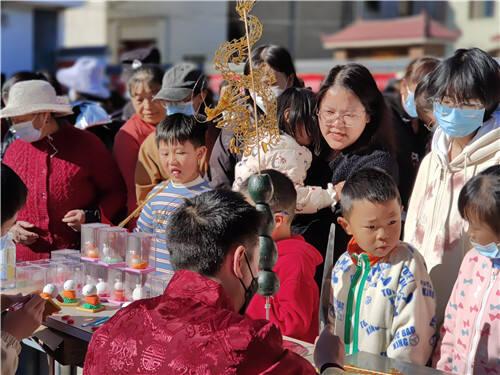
[{"x": 181, "y": 145}]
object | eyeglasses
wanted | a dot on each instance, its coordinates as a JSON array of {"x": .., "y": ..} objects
[
  {"x": 463, "y": 105},
  {"x": 349, "y": 119}
]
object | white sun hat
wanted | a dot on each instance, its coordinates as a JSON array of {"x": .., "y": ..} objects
[
  {"x": 34, "y": 96},
  {"x": 86, "y": 76}
]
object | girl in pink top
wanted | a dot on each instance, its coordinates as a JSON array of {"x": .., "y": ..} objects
[{"x": 470, "y": 334}]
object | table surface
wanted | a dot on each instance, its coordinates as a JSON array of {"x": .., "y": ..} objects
[{"x": 362, "y": 360}]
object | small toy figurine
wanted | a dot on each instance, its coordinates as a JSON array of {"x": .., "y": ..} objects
[
  {"x": 91, "y": 250},
  {"x": 91, "y": 299},
  {"x": 110, "y": 256},
  {"x": 136, "y": 262},
  {"x": 49, "y": 292},
  {"x": 138, "y": 292},
  {"x": 102, "y": 289},
  {"x": 69, "y": 294},
  {"x": 118, "y": 296}
]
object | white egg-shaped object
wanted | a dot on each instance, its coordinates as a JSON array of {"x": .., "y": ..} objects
[
  {"x": 102, "y": 286},
  {"x": 138, "y": 293},
  {"x": 118, "y": 285},
  {"x": 89, "y": 290},
  {"x": 51, "y": 290},
  {"x": 69, "y": 285}
]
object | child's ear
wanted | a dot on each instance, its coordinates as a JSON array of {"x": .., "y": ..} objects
[
  {"x": 286, "y": 114},
  {"x": 278, "y": 220},
  {"x": 201, "y": 152},
  {"x": 345, "y": 225}
]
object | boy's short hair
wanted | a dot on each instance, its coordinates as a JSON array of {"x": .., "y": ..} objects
[
  {"x": 179, "y": 128},
  {"x": 480, "y": 198},
  {"x": 284, "y": 196},
  {"x": 14, "y": 193},
  {"x": 207, "y": 227},
  {"x": 372, "y": 184}
]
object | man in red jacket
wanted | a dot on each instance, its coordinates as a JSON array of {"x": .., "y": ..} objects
[
  {"x": 295, "y": 308},
  {"x": 197, "y": 326}
]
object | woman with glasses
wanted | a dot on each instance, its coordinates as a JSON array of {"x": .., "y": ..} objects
[
  {"x": 356, "y": 126},
  {"x": 465, "y": 94}
]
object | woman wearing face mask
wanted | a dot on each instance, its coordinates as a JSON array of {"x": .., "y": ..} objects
[
  {"x": 279, "y": 61},
  {"x": 411, "y": 134},
  {"x": 356, "y": 127},
  {"x": 71, "y": 177},
  {"x": 465, "y": 92}
]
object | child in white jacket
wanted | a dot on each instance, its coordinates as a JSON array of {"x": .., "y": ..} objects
[
  {"x": 290, "y": 155},
  {"x": 382, "y": 296}
]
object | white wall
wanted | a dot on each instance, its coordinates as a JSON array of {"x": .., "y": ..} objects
[
  {"x": 17, "y": 39},
  {"x": 475, "y": 32},
  {"x": 181, "y": 27},
  {"x": 85, "y": 26}
]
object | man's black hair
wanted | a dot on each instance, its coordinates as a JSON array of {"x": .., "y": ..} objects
[
  {"x": 371, "y": 184},
  {"x": 207, "y": 227},
  {"x": 180, "y": 128},
  {"x": 14, "y": 193},
  {"x": 480, "y": 198},
  {"x": 284, "y": 195}
]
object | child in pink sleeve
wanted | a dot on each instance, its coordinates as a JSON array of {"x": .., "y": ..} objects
[{"x": 470, "y": 341}]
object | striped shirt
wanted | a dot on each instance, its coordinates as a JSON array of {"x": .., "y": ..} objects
[{"x": 155, "y": 214}]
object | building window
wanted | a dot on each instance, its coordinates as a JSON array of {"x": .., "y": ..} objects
[
  {"x": 405, "y": 8},
  {"x": 481, "y": 9},
  {"x": 372, "y": 6}
]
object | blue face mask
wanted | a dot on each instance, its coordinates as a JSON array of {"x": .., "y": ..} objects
[
  {"x": 458, "y": 122},
  {"x": 409, "y": 104},
  {"x": 491, "y": 250},
  {"x": 185, "y": 108}
]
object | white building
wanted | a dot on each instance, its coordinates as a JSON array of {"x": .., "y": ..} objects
[{"x": 31, "y": 34}]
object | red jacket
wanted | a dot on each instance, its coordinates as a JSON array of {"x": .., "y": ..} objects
[
  {"x": 295, "y": 307},
  {"x": 81, "y": 175},
  {"x": 128, "y": 141},
  {"x": 190, "y": 329}
]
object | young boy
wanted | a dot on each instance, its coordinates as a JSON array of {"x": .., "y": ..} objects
[
  {"x": 383, "y": 299},
  {"x": 294, "y": 309},
  {"x": 181, "y": 143}
]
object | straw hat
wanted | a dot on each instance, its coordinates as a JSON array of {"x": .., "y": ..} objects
[
  {"x": 35, "y": 96},
  {"x": 86, "y": 76}
]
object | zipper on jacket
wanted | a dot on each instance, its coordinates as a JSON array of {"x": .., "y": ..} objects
[
  {"x": 477, "y": 324},
  {"x": 351, "y": 328}
]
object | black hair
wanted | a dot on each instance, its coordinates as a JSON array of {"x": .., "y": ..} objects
[
  {"x": 480, "y": 198},
  {"x": 19, "y": 77},
  {"x": 422, "y": 101},
  {"x": 181, "y": 128},
  {"x": 379, "y": 132},
  {"x": 149, "y": 74},
  {"x": 419, "y": 68},
  {"x": 301, "y": 104},
  {"x": 207, "y": 227},
  {"x": 372, "y": 184},
  {"x": 468, "y": 74},
  {"x": 14, "y": 193},
  {"x": 284, "y": 196},
  {"x": 278, "y": 58}
]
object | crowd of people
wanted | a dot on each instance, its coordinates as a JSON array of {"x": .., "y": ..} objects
[{"x": 410, "y": 180}]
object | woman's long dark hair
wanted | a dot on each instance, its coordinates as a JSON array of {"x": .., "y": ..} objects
[
  {"x": 379, "y": 132},
  {"x": 278, "y": 58}
]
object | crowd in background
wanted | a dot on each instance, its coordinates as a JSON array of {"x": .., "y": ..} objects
[{"x": 409, "y": 178}]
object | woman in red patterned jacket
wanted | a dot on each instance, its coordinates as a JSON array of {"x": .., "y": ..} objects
[{"x": 71, "y": 177}]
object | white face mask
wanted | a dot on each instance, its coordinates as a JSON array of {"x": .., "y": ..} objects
[
  {"x": 27, "y": 132},
  {"x": 277, "y": 91},
  {"x": 258, "y": 100}
]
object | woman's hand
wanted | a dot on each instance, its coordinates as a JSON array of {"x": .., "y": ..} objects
[
  {"x": 23, "y": 322},
  {"x": 329, "y": 348},
  {"x": 21, "y": 233},
  {"x": 74, "y": 219}
]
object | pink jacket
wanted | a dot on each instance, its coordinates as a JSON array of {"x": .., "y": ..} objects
[{"x": 470, "y": 334}]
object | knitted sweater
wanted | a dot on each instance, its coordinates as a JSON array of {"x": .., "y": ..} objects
[
  {"x": 384, "y": 306},
  {"x": 128, "y": 141},
  {"x": 72, "y": 171}
]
